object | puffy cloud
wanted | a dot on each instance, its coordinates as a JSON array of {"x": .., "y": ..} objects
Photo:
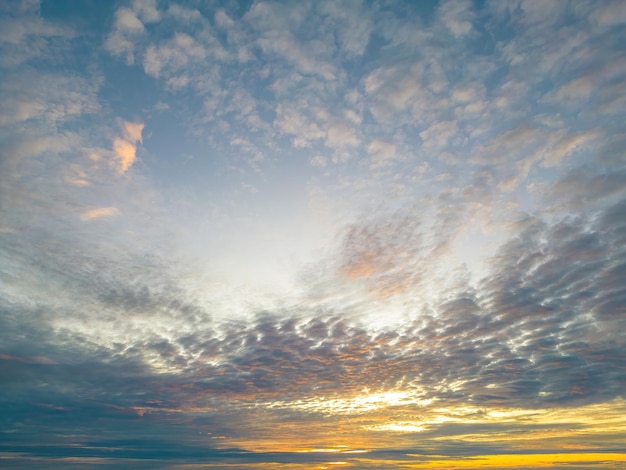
[
  {"x": 127, "y": 29},
  {"x": 382, "y": 152},
  {"x": 439, "y": 134},
  {"x": 339, "y": 135},
  {"x": 292, "y": 122},
  {"x": 279, "y": 27},
  {"x": 353, "y": 23}
]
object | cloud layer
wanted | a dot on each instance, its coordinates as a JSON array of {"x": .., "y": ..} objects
[{"x": 379, "y": 228}]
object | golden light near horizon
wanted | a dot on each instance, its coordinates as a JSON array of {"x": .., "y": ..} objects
[{"x": 606, "y": 460}]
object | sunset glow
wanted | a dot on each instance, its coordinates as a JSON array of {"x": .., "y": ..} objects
[{"x": 313, "y": 234}]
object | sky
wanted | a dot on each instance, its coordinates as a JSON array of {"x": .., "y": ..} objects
[{"x": 314, "y": 234}]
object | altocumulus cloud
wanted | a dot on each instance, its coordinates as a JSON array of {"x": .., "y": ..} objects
[{"x": 443, "y": 187}]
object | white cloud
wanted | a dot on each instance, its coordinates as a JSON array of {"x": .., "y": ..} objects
[
  {"x": 304, "y": 130},
  {"x": 279, "y": 27},
  {"x": 13, "y": 110},
  {"x": 222, "y": 20},
  {"x": 341, "y": 135},
  {"x": 184, "y": 14},
  {"x": 382, "y": 153},
  {"x": 567, "y": 145},
  {"x": 352, "y": 23},
  {"x": 173, "y": 56},
  {"x": 393, "y": 90},
  {"x": 24, "y": 35},
  {"x": 126, "y": 31},
  {"x": 457, "y": 16},
  {"x": 440, "y": 134},
  {"x": 318, "y": 161},
  {"x": 578, "y": 89},
  {"x": 303, "y": 56},
  {"x": 147, "y": 10}
]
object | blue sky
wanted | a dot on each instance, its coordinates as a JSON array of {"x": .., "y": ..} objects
[{"x": 240, "y": 232}]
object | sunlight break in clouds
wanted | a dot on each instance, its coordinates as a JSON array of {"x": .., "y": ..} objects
[{"x": 312, "y": 234}]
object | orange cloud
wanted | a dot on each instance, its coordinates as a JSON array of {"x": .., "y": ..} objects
[
  {"x": 99, "y": 212},
  {"x": 384, "y": 256},
  {"x": 125, "y": 147},
  {"x": 125, "y": 152}
]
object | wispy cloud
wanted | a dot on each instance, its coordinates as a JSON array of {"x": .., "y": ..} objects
[{"x": 99, "y": 212}]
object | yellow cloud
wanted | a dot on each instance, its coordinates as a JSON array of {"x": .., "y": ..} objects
[
  {"x": 99, "y": 212},
  {"x": 125, "y": 147},
  {"x": 607, "y": 460}
]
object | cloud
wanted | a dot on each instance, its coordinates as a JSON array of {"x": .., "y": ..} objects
[
  {"x": 456, "y": 16},
  {"x": 609, "y": 14},
  {"x": 318, "y": 161},
  {"x": 292, "y": 122},
  {"x": 63, "y": 98},
  {"x": 497, "y": 126},
  {"x": 439, "y": 134},
  {"x": 99, "y": 213},
  {"x": 340, "y": 135},
  {"x": 132, "y": 131},
  {"x": 534, "y": 300},
  {"x": 173, "y": 56},
  {"x": 577, "y": 89},
  {"x": 129, "y": 28},
  {"x": 125, "y": 147},
  {"x": 125, "y": 33},
  {"x": 382, "y": 153},
  {"x": 125, "y": 152},
  {"x": 395, "y": 89},
  {"x": 565, "y": 146},
  {"x": 541, "y": 332},
  {"x": 147, "y": 10},
  {"x": 353, "y": 23},
  {"x": 279, "y": 27},
  {"x": 26, "y": 36}
]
